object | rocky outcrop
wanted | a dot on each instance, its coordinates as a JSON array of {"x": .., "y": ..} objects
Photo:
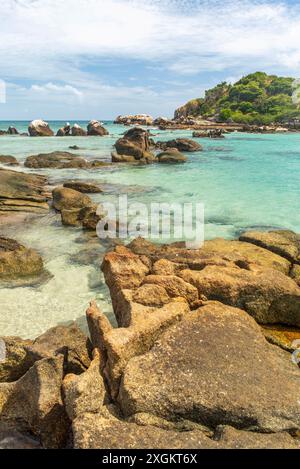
[
  {"x": 210, "y": 372},
  {"x": 209, "y": 133},
  {"x": 138, "y": 119},
  {"x": 95, "y": 128},
  {"x": 40, "y": 128},
  {"x": 17, "y": 261},
  {"x": 34, "y": 403},
  {"x": 78, "y": 131},
  {"x": 67, "y": 199},
  {"x": 8, "y": 160},
  {"x": 83, "y": 186},
  {"x": 64, "y": 131},
  {"x": 171, "y": 156},
  {"x": 56, "y": 159},
  {"x": 133, "y": 146},
  {"x": 181, "y": 144},
  {"x": 242, "y": 391},
  {"x": 20, "y": 354},
  {"x": 12, "y": 131},
  {"x": 283, "y": 242},
  {"x": 22, "y": 192}
]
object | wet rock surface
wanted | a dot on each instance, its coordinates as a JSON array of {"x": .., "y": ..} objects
[
  {"x": 17, "y": 261},
  {"x": 21, "y": 192}
]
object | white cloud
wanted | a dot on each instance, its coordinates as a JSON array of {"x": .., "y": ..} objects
[{"x": 59, "y": 45}]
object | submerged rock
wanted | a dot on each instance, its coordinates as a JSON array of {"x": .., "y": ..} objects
[
  {"x": 40, "y": 128},
  {"x": 56, "y": 159},
  {"x": 171, "y": 156},
  {"x": 95, "y": 128},
  {"x": 9, "y": 160},
  {"x": 181, "y": 144}
]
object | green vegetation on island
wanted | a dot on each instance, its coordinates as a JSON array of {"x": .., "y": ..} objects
[{"x": 257, "y": 98}]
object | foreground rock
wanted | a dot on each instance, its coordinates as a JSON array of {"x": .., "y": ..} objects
[
  {"x": 40, "y": 128},
  {"x": 67, "y": 199},
  {"x": 34, "y": 403},
  {"x": 8, "y": 160},
  {"x": 135, "y": 145},
  {"x": 20, "y": 354},
  {"x": 283, "y": 242},
  {"x": 22, "y": 192},
  {"x": 17, "y": 261},
  {"x": 95, "y": 128},
  {"x": 237, "y": 388}
]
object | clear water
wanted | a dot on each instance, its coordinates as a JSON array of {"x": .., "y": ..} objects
[{"x": 244, "y": 180}]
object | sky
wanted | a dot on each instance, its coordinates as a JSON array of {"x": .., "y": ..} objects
[{"x": 89, "y": 59}]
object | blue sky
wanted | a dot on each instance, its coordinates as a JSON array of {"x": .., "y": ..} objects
[{"x": 88, "y": 59}]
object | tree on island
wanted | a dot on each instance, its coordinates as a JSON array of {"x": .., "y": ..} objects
[{"x": 257, "y": 98}]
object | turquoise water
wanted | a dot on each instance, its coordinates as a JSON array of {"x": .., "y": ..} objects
[{"x": 245, "y": 181}]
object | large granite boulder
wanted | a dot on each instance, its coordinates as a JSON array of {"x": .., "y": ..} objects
[
  {"x": 17, "y": 261},
  {"x": 215, "y": 367},
  {"x": 34, "y": 402},
  {"x": 22, "y": 192},
  {"x": 135, "y": 145},
  {"x": 64, "y": 131},
  {"x": 283, "y": 242},
  {"x": 78, "y": 131},
  {"x": 67, "y": 199},
  {"x": 40, "y": 128},
  {"x": 95, "y": 128}
]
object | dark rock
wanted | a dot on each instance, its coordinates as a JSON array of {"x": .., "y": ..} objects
[
  {"x": 78, "y": 131},
  {"x": 95, "y": 128},
  {"x": 40, "y": 128}
]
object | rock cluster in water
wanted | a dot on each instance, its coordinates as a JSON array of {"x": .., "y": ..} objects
[{"x": 188, "y": 366}]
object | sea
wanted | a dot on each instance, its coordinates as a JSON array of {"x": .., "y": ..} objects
[{"x": 245, "y": 181}]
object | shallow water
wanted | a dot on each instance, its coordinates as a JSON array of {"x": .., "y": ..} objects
[{"x": 245, "y": 181}]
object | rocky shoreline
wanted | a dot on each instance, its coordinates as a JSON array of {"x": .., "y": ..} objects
[
  {"x": 202, "y": 353},
  {"x": 211, "y": 330}
]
